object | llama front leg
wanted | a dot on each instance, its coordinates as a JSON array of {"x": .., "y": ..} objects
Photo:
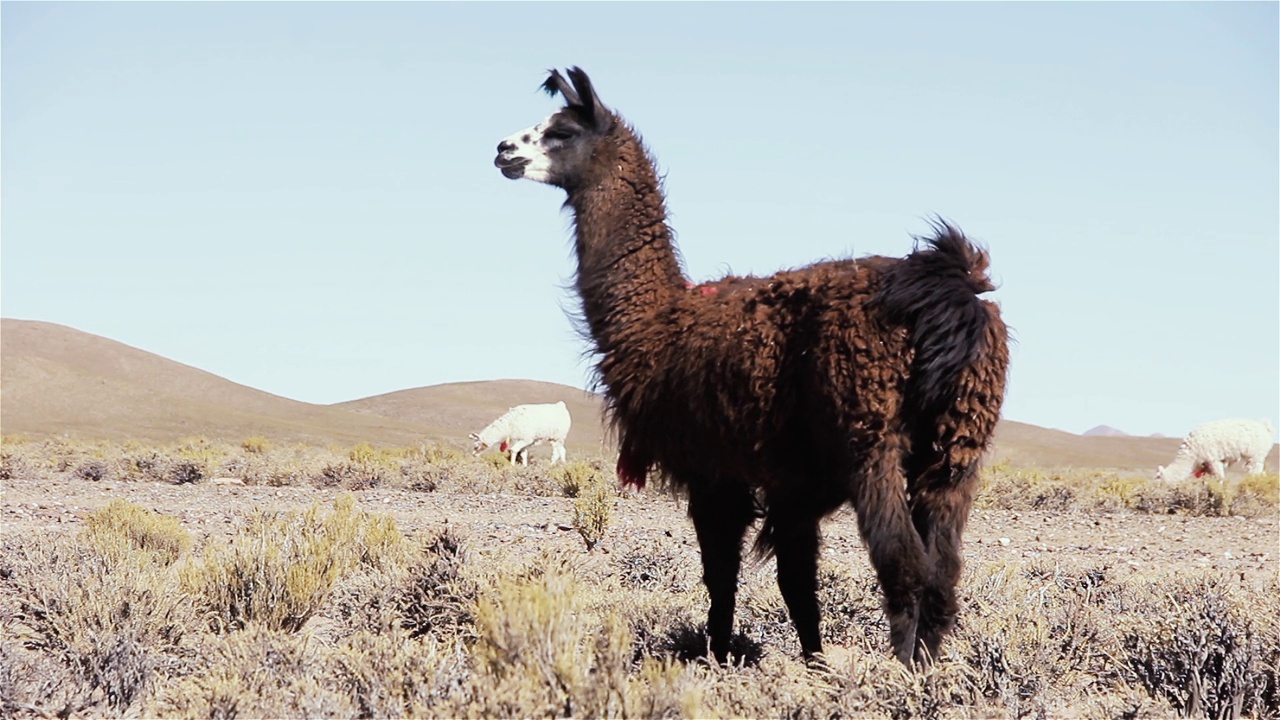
[
  {"x": 557, "y": 452},
  {"x": 520, "y": 452},
  {"x": 792, "y": 532},
  {"x": 1217, "y": 468},
  {"x": 940, "y": 509},
  {"x": 720, "y": 515}
]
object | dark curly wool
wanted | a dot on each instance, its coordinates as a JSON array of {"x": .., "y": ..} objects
[{"x": 874, "y": 381}]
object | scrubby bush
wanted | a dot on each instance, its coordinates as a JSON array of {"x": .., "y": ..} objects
[
  {"x": 123, "y": 529},
  {"x": 256, "y": 444},
  {"x": 593, "y": 511},
  {"x": 280, "y": 568}
]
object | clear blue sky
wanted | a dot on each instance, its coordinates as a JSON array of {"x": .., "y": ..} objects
[{"x": 300, "y": 197}]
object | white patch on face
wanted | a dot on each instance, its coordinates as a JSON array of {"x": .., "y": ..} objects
[{"x": 528, "y": 146}]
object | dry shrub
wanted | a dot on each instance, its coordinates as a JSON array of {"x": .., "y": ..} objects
[
  {"x": 123, "y": 529},
  {"x": 436, "y": 596},
  {"x": 351, "y": 476},
  {"x": 541, "y": 652},
  {"x": 1024, "y": 489},
  {"x": 1029, "y": 631},
  {"x": 280, "y": 567},
  {"x": 1008, "y": 488},
  {"x": 254, "y": 672},
  {"x": 93, "y": 470},
  {"x": 593, "y": 510},
  {"x": 113, "y": 625},
  {"x": 576, "y": 475},
  {"x": 659, "y": 570},
  {"x": 420, "y": 475},
  {"x": 1208, "y": 650},
  {"x": 394, "y": 675},
  {"x": 880, "y": 686},
  {"x": 14, "y": 462},
  {"x": 851, "y": 610},
  {"x": 256, "y": 444}
]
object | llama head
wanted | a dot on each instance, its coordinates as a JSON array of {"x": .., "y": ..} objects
[
  {"x": 558, "y": 150},
  {"x": 1160, "y": 475},
  {"x": 477, "y": 445}
]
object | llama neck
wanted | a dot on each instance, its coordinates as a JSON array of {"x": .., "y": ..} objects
[
  {"x": 627, "y": 263},
  {"x": 1181, "y": 466},
  {"x": 495, "y": 431}
]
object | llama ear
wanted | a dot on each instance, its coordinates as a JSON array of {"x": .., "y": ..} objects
[
  {"x": 555, "y": 83},
  {"x": 590, "y": 100},
  {"x": 475, "y": 436}
]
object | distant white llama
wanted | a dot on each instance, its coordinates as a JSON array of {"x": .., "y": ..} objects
[
  {"x": 524, "y": 426},
  {"x": 1211, "y": 447}
]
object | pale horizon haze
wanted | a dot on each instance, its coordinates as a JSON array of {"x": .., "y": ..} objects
[{"x": 300, "y": 196}]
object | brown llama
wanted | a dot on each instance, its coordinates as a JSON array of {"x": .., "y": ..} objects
[{"x": 876, "y": 381}]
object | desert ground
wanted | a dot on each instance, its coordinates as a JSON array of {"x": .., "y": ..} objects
[
  {"x": 1086, "y": 594},
  {"x": 175, "y": 545}
]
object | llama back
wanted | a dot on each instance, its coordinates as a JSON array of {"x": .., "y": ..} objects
[
  {"x": 1229, "y": 438},
  {"x": 545, "y": 421}
]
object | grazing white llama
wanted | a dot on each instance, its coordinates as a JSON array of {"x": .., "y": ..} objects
[
  {"x": 1211, "y": 447},
  {"x": 524, "y": 426}
]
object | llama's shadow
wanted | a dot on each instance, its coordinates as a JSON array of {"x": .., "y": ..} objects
[{"x": 687, "y": 642}]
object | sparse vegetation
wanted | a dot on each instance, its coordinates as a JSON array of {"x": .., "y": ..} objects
[
  {"x": 1008, "y": 488},
  {"x": 330, "y": 608}
]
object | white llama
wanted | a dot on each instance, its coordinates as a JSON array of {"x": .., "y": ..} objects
[
  {"x": 1211, "y": 447},
  {"x": 524, "y": 426}
]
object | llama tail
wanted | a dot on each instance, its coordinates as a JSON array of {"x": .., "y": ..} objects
[{"x": 934, "y": 292}]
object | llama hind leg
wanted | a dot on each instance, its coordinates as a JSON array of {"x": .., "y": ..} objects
[
  {"x": 940, "y": 509},
  {"x": 1254, "y": 465},
  {"x": 721, "y": 515},
  {"x": 895, "y": 548}
]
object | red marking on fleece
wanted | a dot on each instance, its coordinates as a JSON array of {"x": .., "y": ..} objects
[
  {"x": 1200, "y": 472},
  {"x": 632, "y": 472},
  {"x": 703, "y": 290},
  {"x": 503, "y": 447}
]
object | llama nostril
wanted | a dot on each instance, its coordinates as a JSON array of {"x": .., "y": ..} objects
[{"x": 506, "y": 146}]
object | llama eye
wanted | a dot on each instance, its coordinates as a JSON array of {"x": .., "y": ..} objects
[{"x": 557, "y": 134}]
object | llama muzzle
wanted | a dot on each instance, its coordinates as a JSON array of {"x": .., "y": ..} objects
[{"x": 511, "y": 167}]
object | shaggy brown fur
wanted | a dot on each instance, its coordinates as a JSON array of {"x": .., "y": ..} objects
[{"x": 876, "y": 381}]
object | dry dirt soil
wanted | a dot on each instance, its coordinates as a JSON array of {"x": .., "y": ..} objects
[{"x": 503, "y": 528}]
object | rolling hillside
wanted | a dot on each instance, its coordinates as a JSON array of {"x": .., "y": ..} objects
[{"x": 57, "y": 381}]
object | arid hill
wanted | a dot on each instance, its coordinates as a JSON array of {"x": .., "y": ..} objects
[{"x": 58, "y": 381}]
